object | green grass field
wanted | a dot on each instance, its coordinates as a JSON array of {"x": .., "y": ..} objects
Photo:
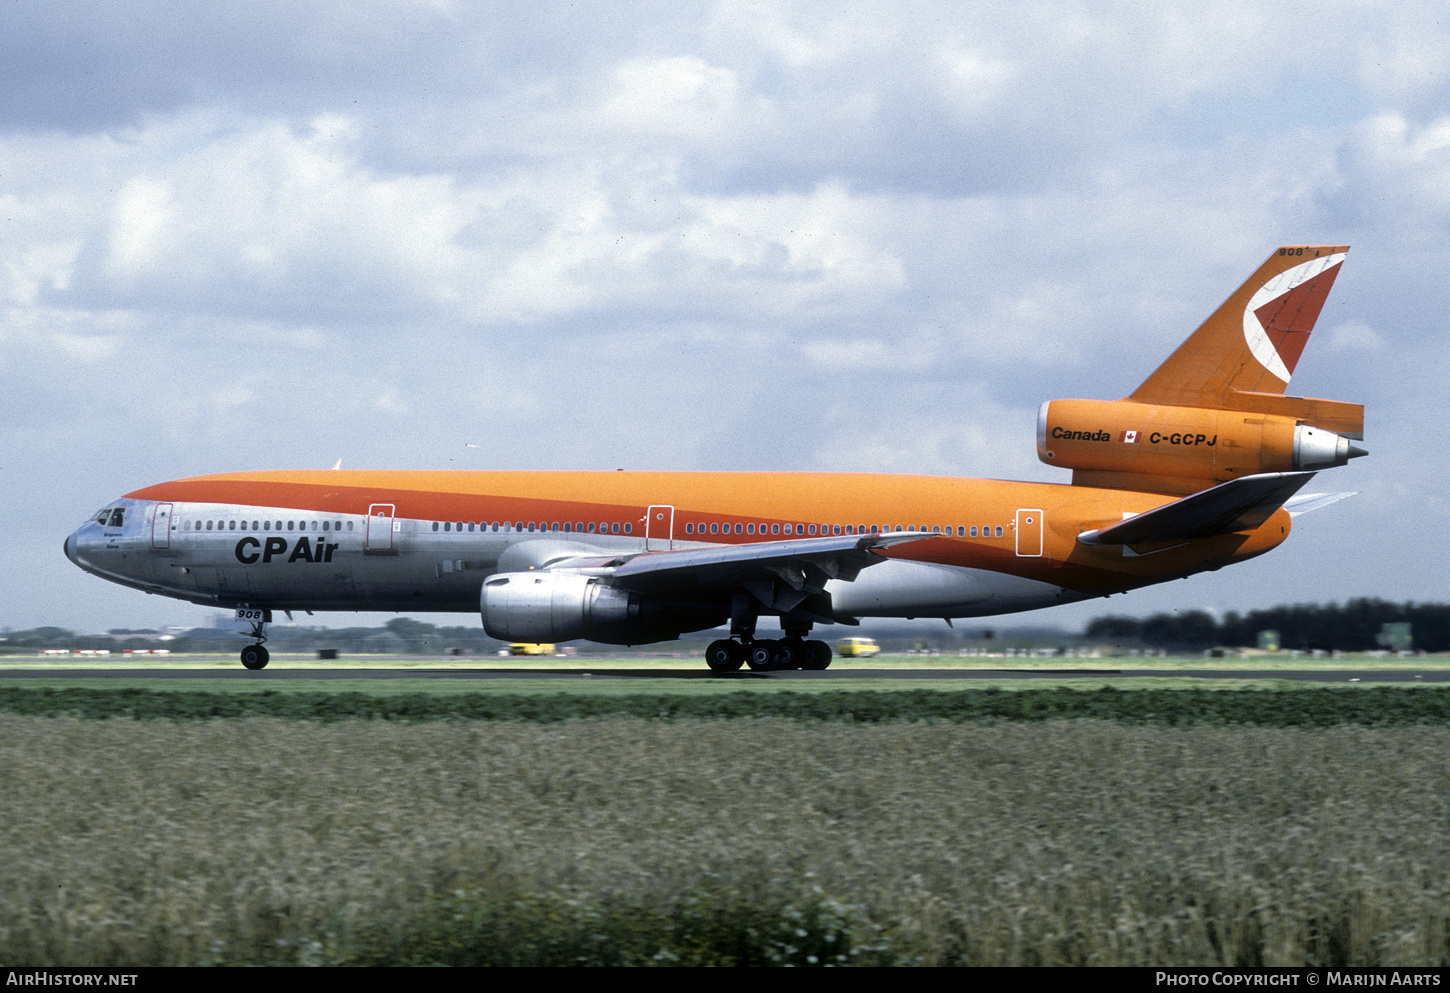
[
  {"x": 762, "y": 840},
  {"x": 723, "y": 821}
]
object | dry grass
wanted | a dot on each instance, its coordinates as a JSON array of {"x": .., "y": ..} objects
[{"x": 1076, "y": 842}]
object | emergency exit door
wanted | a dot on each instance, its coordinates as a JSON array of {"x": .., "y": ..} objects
[
  {"x": 659, "y": 528},
  {"x": 1029, "y": 534},
  {"x": 380, "y": 527}
]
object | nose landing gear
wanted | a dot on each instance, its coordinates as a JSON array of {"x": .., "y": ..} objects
[{"x": 255, "y": 656}]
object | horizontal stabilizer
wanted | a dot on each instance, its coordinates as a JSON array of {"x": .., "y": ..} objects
[
  {"x": 1237, "y": 505},
  {"x": 1302, "y": 503}
]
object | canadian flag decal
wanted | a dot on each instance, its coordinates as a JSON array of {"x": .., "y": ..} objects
[{"x": 1128, "y": 437}]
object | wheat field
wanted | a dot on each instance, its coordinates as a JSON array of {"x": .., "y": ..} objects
[{"x": 1082, "y": 842}]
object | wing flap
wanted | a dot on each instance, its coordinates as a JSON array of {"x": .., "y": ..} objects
[
  {"x": 1237, "y": 505},
  {"x": 803, "y": 565}
]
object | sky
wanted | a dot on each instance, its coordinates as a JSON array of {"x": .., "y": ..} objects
[{"x": 726, "y": 235}]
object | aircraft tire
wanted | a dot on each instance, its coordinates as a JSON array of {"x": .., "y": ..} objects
[
  {"x": 819, "y": 656},
  {"x": 761, "y": 656},
  {"x": 724, "y": 655},
  {"x": 255, "y": 657},
  {"x": 791, "y": 653}
]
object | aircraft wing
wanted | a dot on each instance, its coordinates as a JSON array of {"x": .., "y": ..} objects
[
  {"x": 781, "y": 574},
  {"x": 1237, "y": 505}
]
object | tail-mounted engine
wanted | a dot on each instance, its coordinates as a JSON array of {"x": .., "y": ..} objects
[{"x": 1124, "y": 444}]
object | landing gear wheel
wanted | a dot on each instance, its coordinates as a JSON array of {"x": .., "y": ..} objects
[
  {"x": 725, "y": 655},
  {"x": 255, "y": 657},
  {"x": 819, "y": 656},
  {"x": 790, "y": 653},
  {"x": 761, "y": 656}
]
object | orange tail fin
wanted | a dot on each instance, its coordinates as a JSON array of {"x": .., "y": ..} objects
[{"x": 1253, "y": 341}]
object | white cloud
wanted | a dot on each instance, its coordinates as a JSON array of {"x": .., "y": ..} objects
[{"x": 683, "y": 94}]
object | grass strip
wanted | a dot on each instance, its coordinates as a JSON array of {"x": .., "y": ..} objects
[{"x": 1379, "y": 706}]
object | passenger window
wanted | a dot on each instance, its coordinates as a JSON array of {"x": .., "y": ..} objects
[
  {"x": 349, "y": 525},
  {"x": 614, "y": 528},
  {"x": 628, "y": 527},
  {"x": 750, "y": 529},
  {"x": 999, "y": 531},
  {"x": 435, "y": 525},
  {"x": 775, "y": 529},
  {"x": 738, "y": 528},
  {"x": 812, "y": 529},
  {"x": 325, "y": 524}
]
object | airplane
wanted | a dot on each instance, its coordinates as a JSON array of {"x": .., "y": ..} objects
[{"x": 1199, "y": 468}]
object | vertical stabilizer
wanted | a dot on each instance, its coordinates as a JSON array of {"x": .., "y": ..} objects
[{"x": 1253, "y": 341}]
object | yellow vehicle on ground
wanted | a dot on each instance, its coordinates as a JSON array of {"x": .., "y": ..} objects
[
  {"x": 857, "y": 648},
  {"x": 531, "y": 648}
]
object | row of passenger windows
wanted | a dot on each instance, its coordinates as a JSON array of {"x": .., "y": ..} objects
[
  {"x": 614, "y": 527},
  {"x": 611, "y": 527},
  {"x": 593, "y": 527},
  {"x": 962, "y": 530},
  {"x": 263, "y": 525}
]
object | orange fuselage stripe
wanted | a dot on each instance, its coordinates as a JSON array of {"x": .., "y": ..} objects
[{"x": 761, "y": 498}]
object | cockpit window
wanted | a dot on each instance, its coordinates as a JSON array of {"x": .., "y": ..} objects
[{"x": 113, "y": 517}]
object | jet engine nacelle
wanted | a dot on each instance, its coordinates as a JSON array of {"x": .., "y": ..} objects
[
  {"x": 552, "y": 607},
  {"x": 1104, "y": 438}
]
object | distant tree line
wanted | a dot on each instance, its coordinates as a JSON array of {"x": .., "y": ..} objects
[
  {"x": 1352, "y": 627},
  {"x": 400, "y": 636}
]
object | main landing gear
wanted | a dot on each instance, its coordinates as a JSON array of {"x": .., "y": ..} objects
[
  {"x": 255, "y": 656},
  {"x": 727, "y": 655}
]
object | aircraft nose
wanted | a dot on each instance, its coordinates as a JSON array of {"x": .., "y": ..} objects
[{"x": 70, "y": 548}]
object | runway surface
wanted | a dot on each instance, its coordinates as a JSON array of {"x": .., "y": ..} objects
[{"x": 133, "y": 672}]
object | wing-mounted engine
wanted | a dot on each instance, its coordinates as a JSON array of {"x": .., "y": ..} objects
[
  {"x": 1123, "y": 444},
  {"x": 549, "y": 606}
]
